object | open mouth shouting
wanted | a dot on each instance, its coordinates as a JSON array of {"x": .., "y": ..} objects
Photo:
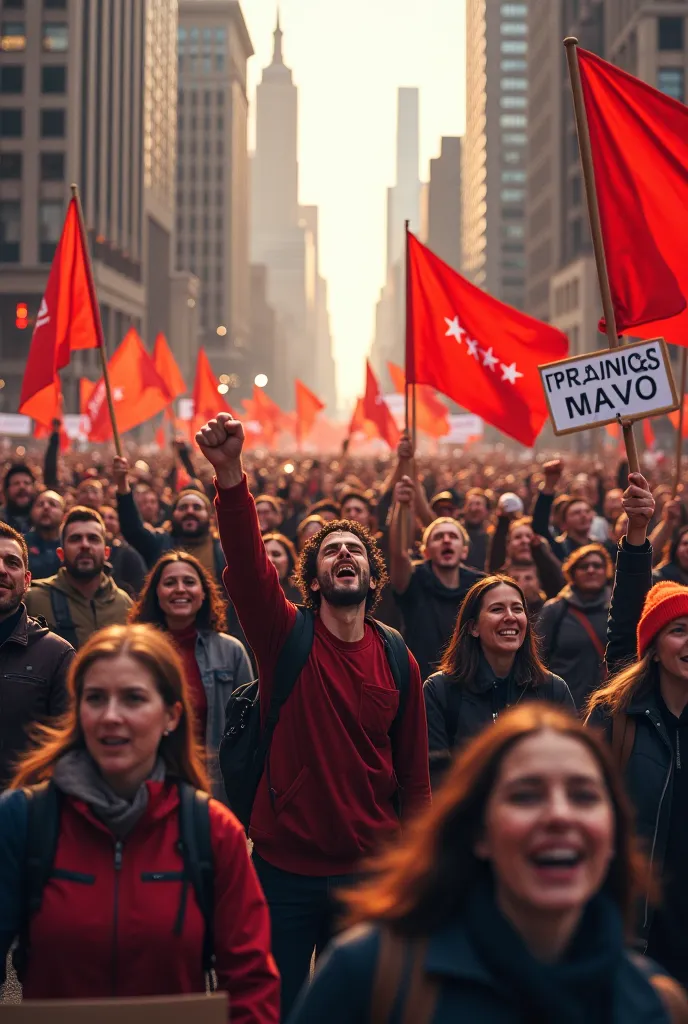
[
  {"x": 557, "y": 863},
  {"x": 346, "y": 572}
]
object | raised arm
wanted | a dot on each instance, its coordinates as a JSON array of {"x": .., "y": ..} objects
[
  {"x": 400, "y": 568},
  {"x": 145, "y": 541},
  {"x": 543, "y": 505}
]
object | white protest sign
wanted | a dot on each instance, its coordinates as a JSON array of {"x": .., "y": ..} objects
[{"x": 633, "y": 382}]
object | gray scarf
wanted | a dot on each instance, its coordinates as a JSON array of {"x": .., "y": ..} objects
[{"x": 76, "y": 774}]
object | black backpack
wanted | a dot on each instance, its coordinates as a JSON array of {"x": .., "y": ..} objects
[
  {"x": 42, "y": 832},
  {"x": 245, "y": 746}
]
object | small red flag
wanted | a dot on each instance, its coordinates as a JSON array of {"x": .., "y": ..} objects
[
  {"x": 648, "y": 434},
  {"x": 475, "y": 349},
  {"x": 308, "y": 406},
  {"x": 675, "y": 417},
  {"x": 167, "y": 367},
  {"x": 376, "y": 410},
  {"x": 639, "y": 140},
  {"x": 432, "y": 415},
  {"x": 138, "y": 390},
  {"x": 208, "y": 401},
  {"x": 68, "y": 317}
]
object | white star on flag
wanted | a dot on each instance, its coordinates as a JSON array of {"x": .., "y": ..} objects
[
  {"x": 472, "y": 347},
  {"x": 489, "y": 358},
  {"x": 117, "y": 394},
  {"x": 510, "y": 373},
  {"x": 454, "y": 328}
]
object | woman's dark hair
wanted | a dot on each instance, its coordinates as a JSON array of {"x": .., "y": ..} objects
[
  {"x": 307, "y": 568},
  {"x": 421, "y": 883},
  {"x": 462, "y": 656},
  {"x": 289, "y": 549},
  {"x": 211, "y": 615}
]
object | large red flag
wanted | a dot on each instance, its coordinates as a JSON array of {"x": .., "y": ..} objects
[
  {"x": 377, "y": 411},
  {"x": 68, "y": 317},
  {"x": 208, "y": 401},
  {"x": 308, "y": 406},
  {"x": 475, "y": 349},
  {"x": 639, "y": 140},
  {"x": 432, "y": 415},
  {"x": 138, "y": 390},
  {"x": 167, "y": 367}
]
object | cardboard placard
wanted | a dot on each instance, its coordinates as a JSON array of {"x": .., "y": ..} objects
[
  {"x": 632, "y": 382},
  {"x": 195, "y": 1009}
]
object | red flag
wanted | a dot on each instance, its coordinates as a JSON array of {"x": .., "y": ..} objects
[
  {"x": 475, "y": 349},
  {"x": 432, "y": 416},
  {"x": 376, "y": 410},
  {"x": 648, "y": 434},
  {"x": 47, "y": 407},
  {"x": 639, "y": 140},
  {"x": 208, "y": 401},
  {"x": 86, "y": 389},
  {"x": 166, "y": 365},
  {"x": 138, "y": 390},
  {"x": 308, "y": 406},
  {"x": 675, "y": 417},
  {"x": 68, "y": 316}
]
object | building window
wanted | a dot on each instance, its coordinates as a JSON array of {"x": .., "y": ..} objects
[
  {"x": 220, "y": 148},
  {"x": 670, "y": 33},
  {"x": 55, "y": 37},
  {"x": 514, "y": 10},
  {"x": 50, "y": 217},
  {"x": 671, "y": 82},
  {"x": 11, "y": 80},
  {"x": 12, "y": 36},
  {"x": 219, "y": 62},
  {"x": 512, "y": 156},
  {"x": 220, "y": 123},
  {"x": 220, "y": 97},
  {"x": 55, "y": 5},
  {"x": 514, "y": 84},
  {"x": 513, "y": 195},
  {"x": 513, "y": 46},
  {"x": 513, "y": 102},
  {"x": 513, "y": 120},
  {"x": 513, "y": 177},
  {"x": 54, "y": 79},
  {"x": 514, "y": 65},
  {"x": 513, "y": 28},
  {"x": 10, "y": 166},
  {"x": 52, "y": 124},
  {"x": 10, "y": 229},
  {"x": 194, "y": 97},
  {"x": 514, "y": 139},
  {"x": 10, "y": 124},
  {"x": 52, "y": 167}
]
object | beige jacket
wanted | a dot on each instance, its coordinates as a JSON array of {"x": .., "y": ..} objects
[{"x": 108, "y": 607}]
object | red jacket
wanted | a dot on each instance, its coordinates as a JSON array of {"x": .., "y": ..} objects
[
  {"x": 333, "y": 774},
  {"x": 104, "y": 930}
]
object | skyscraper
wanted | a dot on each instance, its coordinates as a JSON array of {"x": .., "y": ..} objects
[
  {"x": 442, "y": 201},
  {"x": 494, "y": 148},
  {"x": 72, "y": 87},
  {"x": 213, "y": 175},
  {"x": 649, "y": 40}
]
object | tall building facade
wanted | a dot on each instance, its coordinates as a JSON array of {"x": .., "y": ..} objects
[
  {"x": 494, "y": 149},
  {"x": 284, "y": 237},
  {"x": 72, "y": 88},
  {"x": 441, "y": 204},
  {"x": 650, "y": 40},
  {"x": 212, "y": 230}
]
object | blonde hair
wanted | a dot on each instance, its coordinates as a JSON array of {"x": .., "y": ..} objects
[{"x": 617, "y": 694}]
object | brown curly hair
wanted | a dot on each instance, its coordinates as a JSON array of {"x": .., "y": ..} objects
[
  {"x": 307, "y": 569},
  {"x": 211, "y": 615}
]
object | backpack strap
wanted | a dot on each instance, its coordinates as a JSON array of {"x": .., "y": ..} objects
[
  {"x": 421, "y": 991},
  {"x": 585, "y": 622},
  {"x": 398, "y": 659},
  {"x": 623, "y": 738},
  {"x": 64, "y": 623},
  {"x": 42, "y": 832},
  {"x": 197, "y": 853}
]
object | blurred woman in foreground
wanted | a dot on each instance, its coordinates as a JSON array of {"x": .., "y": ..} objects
[{"x": 507, "y": 901}]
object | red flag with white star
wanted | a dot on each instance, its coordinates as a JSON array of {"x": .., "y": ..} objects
[{"x": 475, "y": 349}]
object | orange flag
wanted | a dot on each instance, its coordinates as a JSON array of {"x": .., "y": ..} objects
[
  {"x": 47, "y": 407},
  {"x": 648, "y": 434},
  {"x": 166, "y": 365},
  {"x": 675, "y": 419},
  {"x": 138, "y": 390},
  {"x": 68, "y": 319},
  {"x": 376, "y": 410},
  {"x": 432, "y": 415},
  {"x": 86, "y": 389},
  {"x": 208, "y": 401},
  {"x": 308, "y": 406}
]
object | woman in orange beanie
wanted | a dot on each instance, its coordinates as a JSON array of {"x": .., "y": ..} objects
[{"x": 644, "y": 712}]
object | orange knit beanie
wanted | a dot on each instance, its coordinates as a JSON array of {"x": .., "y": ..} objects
[{"x": 664, "y": 602}]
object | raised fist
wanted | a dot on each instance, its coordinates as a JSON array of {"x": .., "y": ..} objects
[
  {"x": 221, "y": 441},
  {"x": 638, "y": 502},
  {"x": 404, "y": 491}
]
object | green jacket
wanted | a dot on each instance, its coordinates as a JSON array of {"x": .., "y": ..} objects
[{"x": 108, "y": 607}]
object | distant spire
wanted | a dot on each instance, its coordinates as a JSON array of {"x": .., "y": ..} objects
[{"x": 277, "y": 51}]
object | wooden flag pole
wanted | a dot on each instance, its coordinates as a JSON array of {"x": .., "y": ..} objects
[
  {"x": 679, "y": 431},
  {"x": 407, "y": 516},
  {"x": 571, "y": 44},
  {"x": 99, "y": 324}
]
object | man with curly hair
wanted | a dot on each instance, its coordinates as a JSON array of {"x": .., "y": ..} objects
[{"x": 344, "y": 758}]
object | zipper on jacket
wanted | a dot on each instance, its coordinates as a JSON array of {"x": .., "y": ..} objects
[
  {"x": 659, "y": 810},
  {"x": 118, "y": 868},
  {"x": 678, "y": 749}
]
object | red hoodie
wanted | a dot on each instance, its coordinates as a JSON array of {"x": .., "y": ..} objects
[
  {"x": 106, "y": 930},
  {"x": 331, "y": 766}
]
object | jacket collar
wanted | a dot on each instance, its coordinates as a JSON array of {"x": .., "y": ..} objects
[
  {"x": 20, "y": 633},
  {"x": 105, "y": 592},
  {"x": 451, "y": 952}
]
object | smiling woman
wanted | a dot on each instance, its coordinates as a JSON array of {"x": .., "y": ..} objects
[{"x": 491, "y": 663}]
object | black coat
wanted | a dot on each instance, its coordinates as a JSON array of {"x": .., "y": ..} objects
[
  {"x": 33, "y": 672},
  {"x": 457, "y": 713},
  {"x": 567, "y": 647}
]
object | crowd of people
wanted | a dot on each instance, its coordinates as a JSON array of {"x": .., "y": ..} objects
[{"x": 465, "y": 752}]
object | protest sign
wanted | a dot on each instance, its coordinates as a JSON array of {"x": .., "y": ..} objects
[{"x": 591, "y": 390}]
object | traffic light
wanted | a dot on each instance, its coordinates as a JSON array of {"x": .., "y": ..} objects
[{"x": 21, "y": 316}]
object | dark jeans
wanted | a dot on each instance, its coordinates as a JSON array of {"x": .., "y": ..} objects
[{"x": 303, "y": 916}]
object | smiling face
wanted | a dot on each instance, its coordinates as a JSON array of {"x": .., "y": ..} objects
[
  {"x": 278, "y": 556},
  {"x": 519, "y": 545},
  {"x": 502, "y": 621},
  {"x": 343, "y": 570},
  {"x": 180, "y": 594},
  {"x": 445, "y": 546},
  {"x": 14, "y": 577},
  {"x": 548, "y": 828},
  {"x": 191, "y": 517},
  {"x": 672, "y": 649},
  {"x": 123, "y": 718}
]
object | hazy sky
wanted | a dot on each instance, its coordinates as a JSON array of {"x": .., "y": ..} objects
[{"x": 348, "y": 57}]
